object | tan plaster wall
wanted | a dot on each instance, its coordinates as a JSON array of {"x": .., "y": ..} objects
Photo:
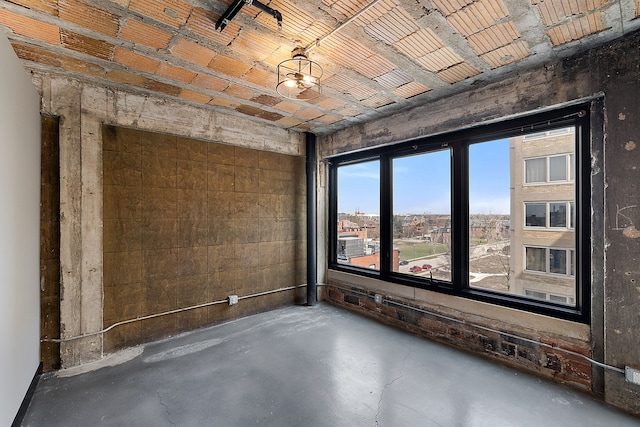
[{"x": 83, "y": 109}]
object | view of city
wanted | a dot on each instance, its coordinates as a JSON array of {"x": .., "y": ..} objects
[{"x": 521, "y": 215}]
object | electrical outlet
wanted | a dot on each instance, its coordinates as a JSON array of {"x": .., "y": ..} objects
[
  {"x": 378, "y": 299},
  {"x": 632, "y": 375},
  {"x": 233, "y": 299}
]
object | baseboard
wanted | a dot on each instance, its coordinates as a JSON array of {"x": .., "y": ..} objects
[{"x": 17, "y": 421}]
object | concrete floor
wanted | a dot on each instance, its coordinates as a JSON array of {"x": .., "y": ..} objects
[{"x": 309, "y": 366}]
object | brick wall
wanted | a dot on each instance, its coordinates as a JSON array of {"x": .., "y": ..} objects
[
  {"x": 505, "y": 346},
  {"x": 187, "y": 222}
]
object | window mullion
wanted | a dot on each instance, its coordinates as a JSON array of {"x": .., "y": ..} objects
[
  {"x": 386, "y": 216},
  {"x": 460, "y": 216}
]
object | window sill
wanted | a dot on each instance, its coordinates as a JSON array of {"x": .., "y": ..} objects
[{"x": 487, "y": 314}]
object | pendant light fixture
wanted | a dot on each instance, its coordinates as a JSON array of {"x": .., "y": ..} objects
[{"x": 299, "y": 77}]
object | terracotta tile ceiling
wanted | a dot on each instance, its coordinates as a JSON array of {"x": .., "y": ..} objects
[{"x": 396, "y": 54}]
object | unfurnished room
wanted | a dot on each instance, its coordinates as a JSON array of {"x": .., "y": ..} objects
[{"x": 320, "y": 213}]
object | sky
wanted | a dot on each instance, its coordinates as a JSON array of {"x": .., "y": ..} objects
[{"x": 422, "y": 182}]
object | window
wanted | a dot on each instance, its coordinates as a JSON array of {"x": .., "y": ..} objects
[
  {"x": 561, "y": 299},
  {"x": 549, "y": 260},
  {"x": 536, "y": 170},
  {"x": 560, "y": 169},
  {"x": 358, "y": 236},
  {"x": 422, "y": 214},
  {"x": 549, "y": 133},
  {"x": 536, "y": 214},
  {"x": 535, "y": 294},
  {"x": 536, "y": 259},
  {"x": 496, "y": 213},
  {"x": 558, "y": 214}
]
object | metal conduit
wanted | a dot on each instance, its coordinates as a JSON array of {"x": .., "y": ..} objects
[
  {"x": 340, "y": 27},
  {"x": 484, "y": 328},
  {"x": 312, "y": 266},
  {"x": 178, "y": 310}
]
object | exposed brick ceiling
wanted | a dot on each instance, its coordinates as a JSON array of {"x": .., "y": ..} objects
[{"x": 397, "y": 54}]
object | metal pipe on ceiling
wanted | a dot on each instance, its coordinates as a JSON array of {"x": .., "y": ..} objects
[{"x": 340, "y": 27}]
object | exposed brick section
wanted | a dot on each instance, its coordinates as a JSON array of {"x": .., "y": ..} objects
[
  {"x": 289, "y": 121},
  {"x": 518, "y": 353},
  {"x": 266, "y": 100},
  {"x": 135, "y": 60},
  {"x": 329, "y": 118},
  {"x": 30, "y": 28},
  {"x": 203, "y": 23},
  {"x": 394, "y": 79},
  {"x": 249, "y": 110},
  {"x": 458, "y": 73},
  {"x": 79, "y": 66},
  {"x": 378, "y": 101},
  {"x": 241, "y": 92},
  {"x": 411, "y": 89},
  {"x": 262, "y": 78},
  {"x": 351, "y": 111},
  {"x": 506, "y": 54},
  {"x": 170, "y": 12},
  {"x": 229, "y": 66},
  {"x": 175, "y": 73},
  {"x": 224, "y": 102},
  {"x": 258, "y": 112},
  {"x": 157, "y": 86},
  {"x": 309, "y": 113},
  {"x": 329, "y": 103},
  {"x": 271, "y": 116},
  {"x": 361, "y": 92},
  {"x": 89, "y": 17},
  {"x": 190, "y": 95},
  {"x": 577, "y": 29},
  {"x": 193, "y": 52},
  {"x": 30, "y": 53},
  {"x": 79, "y": 43},
  {"x": 210, "y": 82},
  {"x": 140, "y": 33},
  {"x": 288, "y": 106},
  {"x": 46, "y": 6},
  {"x": 128, "y": 78},
  {"x": 253, "y": 45}
]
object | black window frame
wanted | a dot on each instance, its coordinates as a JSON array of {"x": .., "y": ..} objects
[{"x": 459, "y": 141}]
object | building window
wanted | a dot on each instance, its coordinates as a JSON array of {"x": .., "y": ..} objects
[
  {"x": 422, "y": 214},
  {"x": 550, "y": 260},
  {"x": 560, "y": 169},
  {"x": 536, "y": 259},
  {"x": 461, "y": 213},
  {"x": 547, "y": 134},
  {"x": 536, "y": 170},
  {"x": 536, "y": 214},
  {"x": 558, "y": 215},
  {"x": 549, "y": 214},
  {"x": 358, "y": 239},
  {"x": 560, "y": 299}
]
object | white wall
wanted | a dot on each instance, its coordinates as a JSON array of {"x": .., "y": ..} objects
[{"x": 19, "y": 231}]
